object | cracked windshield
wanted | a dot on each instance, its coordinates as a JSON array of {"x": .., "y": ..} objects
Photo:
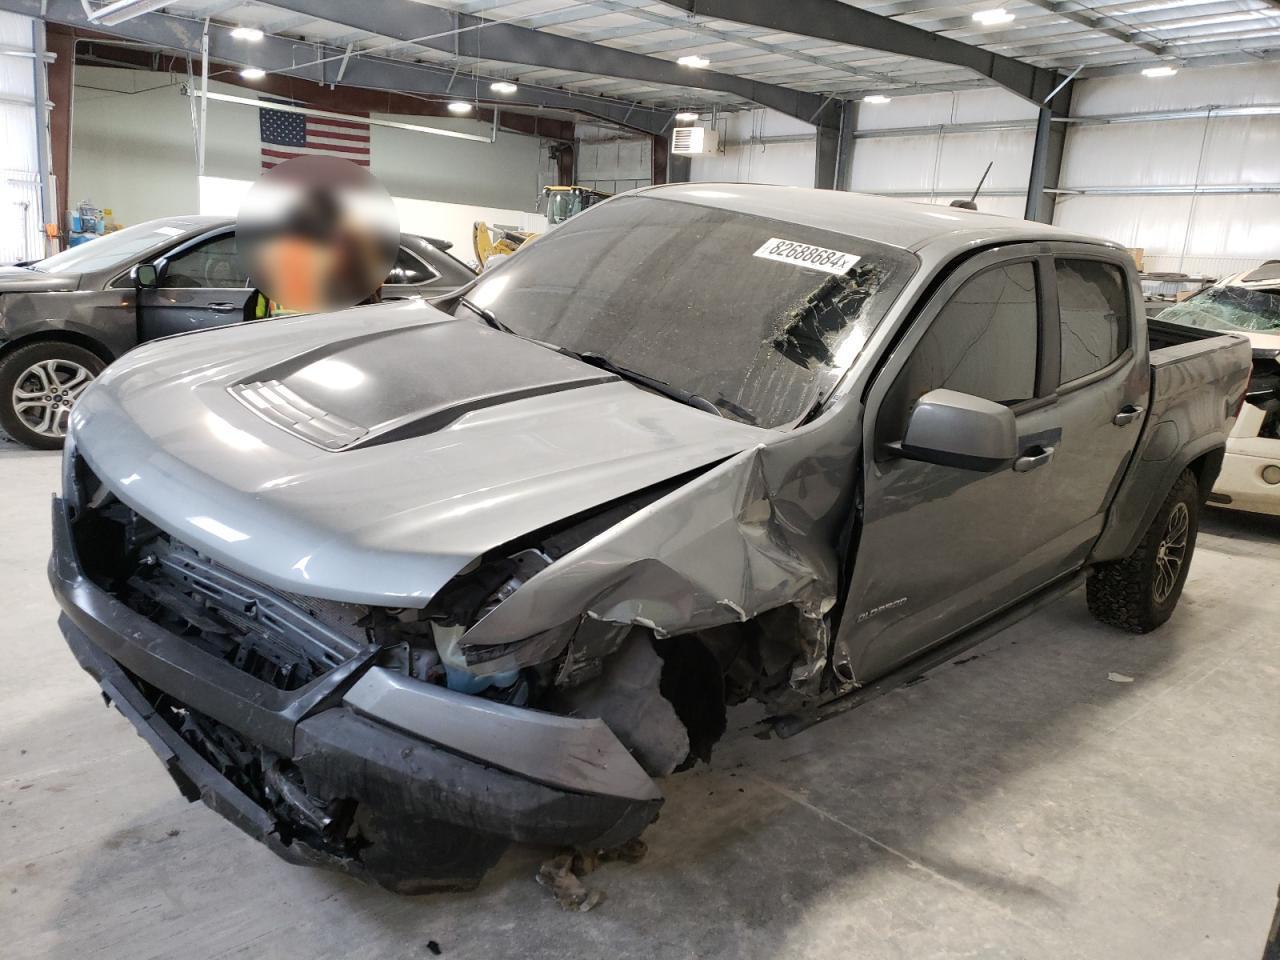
[
  {"x": 749, "y": 317},
  {"x": 1228, "y": 307}
]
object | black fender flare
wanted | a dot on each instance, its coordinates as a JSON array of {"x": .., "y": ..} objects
[{"x": 1130, "y": 516}]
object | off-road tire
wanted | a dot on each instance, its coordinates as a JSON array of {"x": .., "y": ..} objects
[
  {"x": 15, "y": 364},
  {"x": 1123, "y": 593}
]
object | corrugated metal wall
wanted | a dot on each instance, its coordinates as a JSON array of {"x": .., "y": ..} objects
[
  {"x": 1199, "y": 194},
  {"x": 1144, "y": 183},
  {"x": 759, "y": 146},
  {"x": 20, "y": 217},
  {"x": 611, "y": 161}
]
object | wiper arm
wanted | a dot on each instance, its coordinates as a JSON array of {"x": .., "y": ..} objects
[
  {"x": 485, "y": 315},
  {"x": 659, "y": 386}
]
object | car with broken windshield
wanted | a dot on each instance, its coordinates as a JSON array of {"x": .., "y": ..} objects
[
  {"x": 394, "y": 588},
  {"x": 1248, "y": 304}
]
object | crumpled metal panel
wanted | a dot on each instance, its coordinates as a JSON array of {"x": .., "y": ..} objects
[{"x": 724, "y": 548}]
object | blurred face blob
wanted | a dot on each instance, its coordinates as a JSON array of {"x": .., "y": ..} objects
[{"x": 317, "y": 233}]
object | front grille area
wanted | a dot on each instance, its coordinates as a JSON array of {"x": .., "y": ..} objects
[
  {"x": 278, "y": 638},
  {"x": 255, "y": 629}
]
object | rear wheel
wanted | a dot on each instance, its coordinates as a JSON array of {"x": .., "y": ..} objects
[
  {"x": 1141, "y": 591},
  {"x": 39, "y": 384}
]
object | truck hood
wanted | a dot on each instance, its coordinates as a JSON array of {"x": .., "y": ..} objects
[
  {"x": 368, "y": 456},
  {"x": 22, "y": 280}
]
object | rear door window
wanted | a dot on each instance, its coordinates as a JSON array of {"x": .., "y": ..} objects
[{"x": 1094, "y": 305}]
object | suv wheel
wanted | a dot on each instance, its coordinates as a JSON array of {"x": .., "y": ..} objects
[
  {"x": 1140, "y": 592},
  {"x": 39, "y": 383}
]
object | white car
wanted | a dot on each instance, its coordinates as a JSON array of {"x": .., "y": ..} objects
[{"x": 1247, "y": 303}]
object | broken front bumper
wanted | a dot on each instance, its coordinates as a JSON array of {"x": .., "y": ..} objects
[{"x": 441, "y": 781}]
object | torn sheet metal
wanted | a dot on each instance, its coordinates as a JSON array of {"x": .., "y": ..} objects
[{"x": 721, "y": 549}]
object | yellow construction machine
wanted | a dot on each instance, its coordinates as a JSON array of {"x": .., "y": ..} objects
[{"x": 558, "y": 203}]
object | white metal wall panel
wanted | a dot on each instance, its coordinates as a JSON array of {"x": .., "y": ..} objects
[
  {"x": 20, "y": 218},
  {"x": 890, "y": 164},
  {"x": 950, "y": 163},
  {"x": 786, "y": 163},
  {"x": 1212, "y": 233},
  {"x": 967, "y": 106},
  {"x": 1222, "y": 234},
  {"x": 1131, "y": 154},
  {"x": 1237, "y": 150},
  {"x": 1133, "y": 93}
]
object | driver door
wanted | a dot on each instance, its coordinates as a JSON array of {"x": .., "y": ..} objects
[
  {"x": 942, "y": 546},
  {"x": 200, "y": 285}
]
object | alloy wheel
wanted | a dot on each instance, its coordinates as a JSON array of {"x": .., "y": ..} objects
[
  {"x": 45, "y": 393},
  {"x": 1171, "y": 552}
]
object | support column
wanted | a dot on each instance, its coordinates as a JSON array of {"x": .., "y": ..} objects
[
  {"x": 1046, "y": 158},
  {"x": 844, "y": 145},
  {"x": 828, "y": 135},
  {"x": 61, "y": 78}
]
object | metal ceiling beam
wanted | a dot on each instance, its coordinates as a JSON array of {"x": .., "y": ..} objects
[
  {"x": 1100, "y": 23},
  {"x": 474, "y": 37},
  {"x": 296, "y": 58},
  {"x": 838, "y": 22}
]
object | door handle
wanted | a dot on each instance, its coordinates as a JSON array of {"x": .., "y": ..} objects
[
  {"x": 1031, "y": 459},
  {"x": 1128, "y": 413},
  {"x": 224, "y": 307}
]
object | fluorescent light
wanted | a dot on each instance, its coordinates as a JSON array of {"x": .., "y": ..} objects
[
  {"x": 876, "y": 98},
  {"x": 694, "y": 61},
  {"x": 991, "y": 17},
  {"x": 122, "y": 10},
  {"x": 1159, "y": 71},
  {"x": 503, "y": 86},
  {"x": 252, "y": 34},
  {"x": 458, "y": 106},
  {"x": 253, "y": 73},
  {"x": 686, "y": 116}
]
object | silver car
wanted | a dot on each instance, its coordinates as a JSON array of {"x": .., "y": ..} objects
[
  {"x": 63, "y": 319},
  {"x": 395, "y": 587}
]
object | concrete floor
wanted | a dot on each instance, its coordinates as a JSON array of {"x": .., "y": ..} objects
[{"x": 1019, "y": 804}]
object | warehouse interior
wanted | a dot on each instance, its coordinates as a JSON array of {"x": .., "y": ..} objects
[{"x": 1055, "y": 788}]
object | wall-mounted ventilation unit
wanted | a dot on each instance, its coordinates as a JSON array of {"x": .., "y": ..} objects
[{"x": 694, "y": 141}]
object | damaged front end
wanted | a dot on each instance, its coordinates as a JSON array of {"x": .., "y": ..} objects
[
  {"x": 533, "y": 699},
  {"x": 329, "y": 731}
]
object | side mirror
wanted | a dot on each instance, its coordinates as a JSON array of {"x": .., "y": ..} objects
[
  {"x": 146, "y": 276},
  {"x": 958, "y": 430}
]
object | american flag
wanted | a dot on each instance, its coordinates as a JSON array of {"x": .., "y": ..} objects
[{"x": 286, "y": 135}]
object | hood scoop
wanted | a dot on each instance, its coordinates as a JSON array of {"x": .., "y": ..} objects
[{"x": 405, "y": 382}]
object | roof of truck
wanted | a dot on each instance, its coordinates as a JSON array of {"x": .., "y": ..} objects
[{"x": 906, "y": 224}]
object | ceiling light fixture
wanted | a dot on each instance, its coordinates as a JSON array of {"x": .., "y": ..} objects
[
  {"x": 989, "y": 18},
  {"x": 253, "y": 73},
  {"x": 503, "y": 86},
  {"x": 1159, "y": 71},
  {"x": 693, "y": 61},
  {"x": 458, "y": 106},
  {"x": 120, "y": 11},
  {"x": 252, "y": 34},
  {"x": 876, "y": 98},
  {"x": 686, "y": 116}
]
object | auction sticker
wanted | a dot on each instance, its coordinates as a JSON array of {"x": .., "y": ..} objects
[{"x": 807, "y": 255}]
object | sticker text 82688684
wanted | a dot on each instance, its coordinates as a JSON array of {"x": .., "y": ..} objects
[{"x": 806, "y": 255}]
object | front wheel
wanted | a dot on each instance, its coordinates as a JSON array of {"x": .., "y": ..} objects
[
  {"x": 39, "y": 384},
  {"x": 1139, "y": 593}
]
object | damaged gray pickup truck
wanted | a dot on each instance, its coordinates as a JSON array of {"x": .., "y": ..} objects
[{"x": 392, "y": 588}]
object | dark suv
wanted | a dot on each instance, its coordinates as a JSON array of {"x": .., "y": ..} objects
[{"x": 63, "y": 319}]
